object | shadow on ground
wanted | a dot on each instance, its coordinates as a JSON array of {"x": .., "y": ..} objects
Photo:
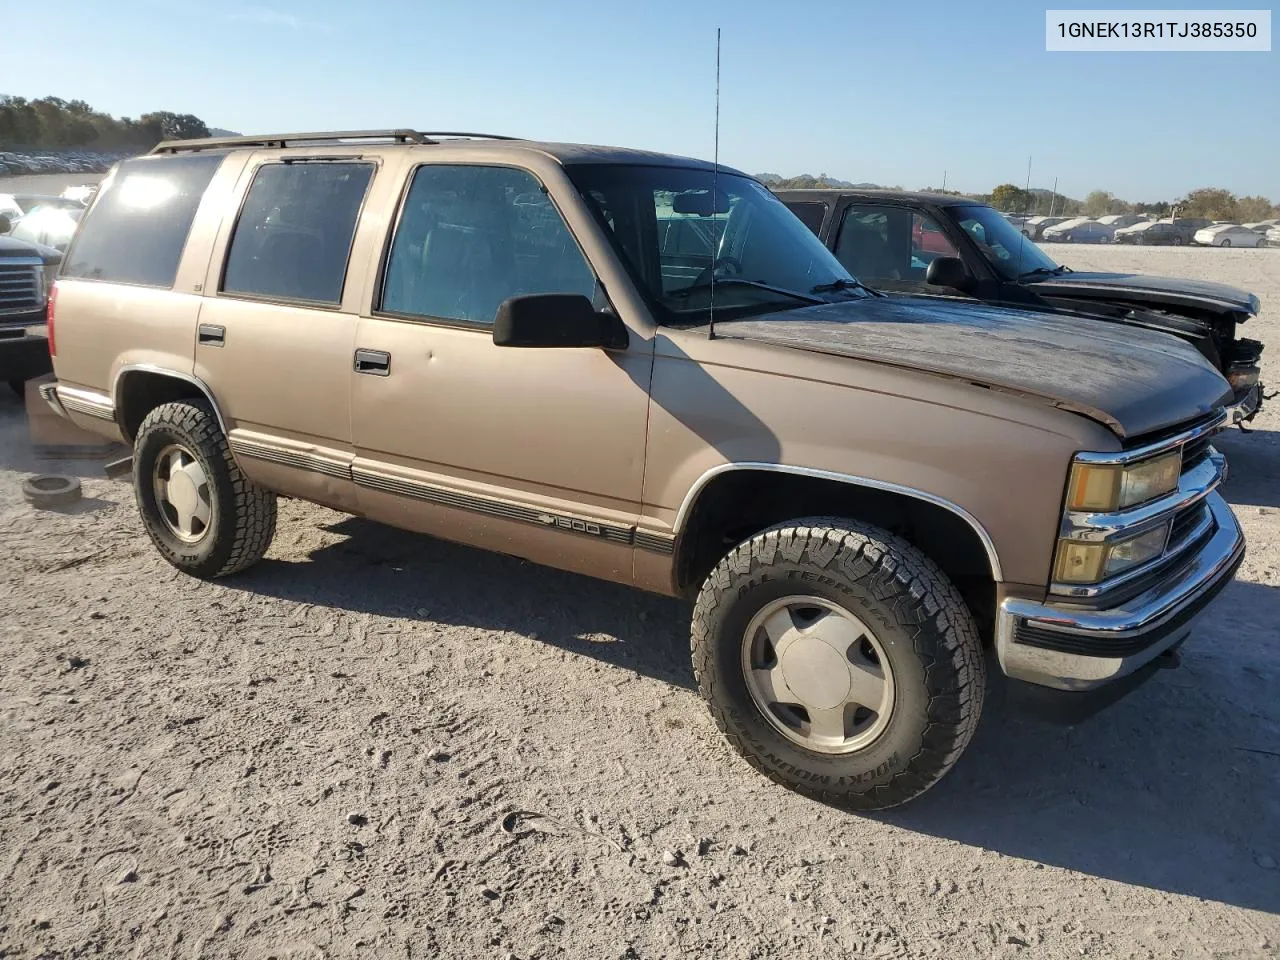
[
  {"x": 1254, "y": 462},
  {"x": 1159, "y": 790},
  {"x": 394, "y": 573}
]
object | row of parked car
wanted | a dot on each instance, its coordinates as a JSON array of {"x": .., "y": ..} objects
[
  {"x": 646, "y": 369},
  {"x": 1136, "y": 228},
  {"x": 68, "y": 161}
]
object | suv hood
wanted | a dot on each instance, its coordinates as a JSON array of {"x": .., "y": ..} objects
[
  {"x": 1130, "y": 380},
  {"x": 1136, "y": 290}
]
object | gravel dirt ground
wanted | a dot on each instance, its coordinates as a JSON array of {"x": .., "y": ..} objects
[{"x": 377, "y": 744}]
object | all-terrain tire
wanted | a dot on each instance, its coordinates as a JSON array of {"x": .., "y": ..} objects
[
  {"x": 244, "y": 515},
  {"x": 920, "y": 620}
]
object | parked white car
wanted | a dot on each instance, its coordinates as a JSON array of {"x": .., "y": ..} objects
[
  {"x": 1272, "y": 237},
  {"x": 1227, "y": 235}
]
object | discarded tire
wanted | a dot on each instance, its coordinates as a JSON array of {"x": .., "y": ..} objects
[{"x": 51, "y": 490}]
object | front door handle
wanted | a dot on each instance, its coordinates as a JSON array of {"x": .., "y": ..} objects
[
  {"x": 376, "y": 363},
  {"x": 212, "y": 334}
]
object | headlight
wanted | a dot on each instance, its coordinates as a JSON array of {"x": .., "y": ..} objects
[
  {"x": 1243, "y": 378},
  {"x": 1092, "y": 562},
  {"x": 1107, "y": 487},
  {"x": 44, "y": 280}
]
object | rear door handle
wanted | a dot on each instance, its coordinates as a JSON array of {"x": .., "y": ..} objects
[
  {"x": 212, "y": 334},
  {"x": 376, "y": 363}
]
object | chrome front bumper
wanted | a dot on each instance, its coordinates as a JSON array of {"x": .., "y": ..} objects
[{"x": 1124, "y": 638}]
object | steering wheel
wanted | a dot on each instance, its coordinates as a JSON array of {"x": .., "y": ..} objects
[{"x": 704, "y": 276}]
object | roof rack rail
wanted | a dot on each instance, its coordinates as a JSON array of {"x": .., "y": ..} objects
[
  {"x": 474, "y": 136},
  {"x": 282, "y": 140}
]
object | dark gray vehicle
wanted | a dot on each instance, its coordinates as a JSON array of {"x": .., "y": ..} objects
[
  {"x": 26, "y": 274},
  {"x": 948, "y": 246}
]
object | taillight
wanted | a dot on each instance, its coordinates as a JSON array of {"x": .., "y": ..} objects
[{"x": 53, "y": 300}]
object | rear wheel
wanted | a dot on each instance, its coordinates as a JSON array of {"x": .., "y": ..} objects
[
  {"x": 1177, "y": 240},
  {"x": 839, "y": 661},
  {"x": 200, "y": 511}
]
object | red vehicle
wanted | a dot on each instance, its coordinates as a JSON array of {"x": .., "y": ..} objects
[{"x": 928, "y": 236}]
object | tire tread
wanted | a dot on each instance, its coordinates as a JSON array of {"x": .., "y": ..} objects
[{"x": 920, "y": 595}]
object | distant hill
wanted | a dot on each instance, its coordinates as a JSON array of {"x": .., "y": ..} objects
[
  {"x": 219, "y": 132},
  {"x": 807, "y": 181}
]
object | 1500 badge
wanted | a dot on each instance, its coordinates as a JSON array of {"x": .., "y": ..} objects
[{"x": 569, "y": 523}]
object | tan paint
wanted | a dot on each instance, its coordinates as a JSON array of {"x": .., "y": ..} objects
[{"x": 575, "y": 433}]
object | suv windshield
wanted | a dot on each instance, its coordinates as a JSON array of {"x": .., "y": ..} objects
[
  {"x": 1010, "y": 253},
  {"x": 673, "y": 238}
]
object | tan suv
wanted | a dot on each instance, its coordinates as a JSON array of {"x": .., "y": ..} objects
[{"x": 646, "y": 369}]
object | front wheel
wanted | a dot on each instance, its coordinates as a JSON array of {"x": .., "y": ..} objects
[
  {"x": 839, "y": 661},
  {"x": 200, "y": 511},
  {"x": 1226, "y": 243},
  {"x": 1177, "y": 241}
]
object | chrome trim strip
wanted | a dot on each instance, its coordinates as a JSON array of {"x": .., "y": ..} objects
[
  {"x": 506, "y": 510},
  {"x": 655, "y": 542},
  {"x": 49, "y": 393},
  {"x": 299, "y": 459},
  {"x": 167, "y": 372},
  {"x": 1145, "y": 613},
  {"x": 87, "y": 402},
  {"x": 686, "y": 506},
  {"x": 21, "y": 262},
  {"x": 1220, "y": 422},
  {"x": 1196, "y": 484}
]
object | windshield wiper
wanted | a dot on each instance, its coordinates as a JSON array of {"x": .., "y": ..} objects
[
  {"x": 843, "y": 284},
  {"x": 1044, "y": 272},
  {"x": 685, "y": 292}
]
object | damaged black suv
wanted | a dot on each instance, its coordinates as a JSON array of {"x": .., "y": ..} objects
[
  {"x": 26, "y": 274},
  {"x": 949, "y": 246}
]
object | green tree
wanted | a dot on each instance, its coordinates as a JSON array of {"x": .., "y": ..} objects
[
  {"x": 1251, "y": 209},
  {"x": 1012, "y": 198},
  {"x": 53, "y": 122},
  {"x": 1098, "y": 203},
  {"x": 1211, "y": 202}
]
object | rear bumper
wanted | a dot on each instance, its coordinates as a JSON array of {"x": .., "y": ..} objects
[{"x": 1070, "y": 647}]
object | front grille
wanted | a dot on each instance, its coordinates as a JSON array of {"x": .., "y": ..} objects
[
  {"x": 1194, "y": 453},
  {"x": 20, "y": 288},
  {"x": 1184, "y": 521}
]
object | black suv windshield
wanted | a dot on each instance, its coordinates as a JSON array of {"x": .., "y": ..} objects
[
  {"x": 673, "y": 239},
  {"x": 1010, "y": 253}
]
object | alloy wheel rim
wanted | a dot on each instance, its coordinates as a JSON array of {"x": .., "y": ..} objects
[
  {"x": 182, "y": 493},
  {"x": 818, "y": 674}
]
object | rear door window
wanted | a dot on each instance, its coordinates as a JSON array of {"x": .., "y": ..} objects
[
  {"x": 138, "y": 226},
  {"x": 875, "y": 242},
  {"x": 293, "y": 238}
]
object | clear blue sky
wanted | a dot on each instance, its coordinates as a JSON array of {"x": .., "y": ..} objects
[{"x": 889, "y": 92}]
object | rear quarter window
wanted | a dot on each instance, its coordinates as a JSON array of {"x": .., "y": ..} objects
[
  {"x": 810, "y": 212},
  {"x": 137, "y": 228}
]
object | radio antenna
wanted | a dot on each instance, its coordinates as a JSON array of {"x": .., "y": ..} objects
[
  {"x": 1026, "y": 206},
  {"x": 715, "y": 201}
]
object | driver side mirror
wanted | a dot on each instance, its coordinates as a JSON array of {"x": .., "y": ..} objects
[
  {"x": 5, "y": 223},
  {"x": 556, "y": 320},
  {"x": 947, "y": 272}
]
